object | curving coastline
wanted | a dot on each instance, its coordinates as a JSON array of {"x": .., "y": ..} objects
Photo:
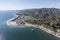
[{"x": 9, "y": 22}]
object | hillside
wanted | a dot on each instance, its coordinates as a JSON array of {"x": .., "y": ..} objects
[{"x": 48, "y": 17}]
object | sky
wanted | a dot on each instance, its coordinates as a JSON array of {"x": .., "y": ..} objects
[{"x": 28, "y": 4}]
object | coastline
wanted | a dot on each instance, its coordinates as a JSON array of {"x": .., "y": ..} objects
[
  {"x": 45, "y": 29},
  {"x": 8, "y": 21},
  {"x": 13, "y": 24},
  {"x": 36, "y": 26}
]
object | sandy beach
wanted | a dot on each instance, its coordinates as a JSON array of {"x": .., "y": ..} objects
[
  {"x": 9, "y": 22},
  {"x": 13, "y": 23},
  {"x": 45, "y": 29}
]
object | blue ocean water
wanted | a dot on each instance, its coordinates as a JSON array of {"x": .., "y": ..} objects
[{"x": 20, "y": 33}]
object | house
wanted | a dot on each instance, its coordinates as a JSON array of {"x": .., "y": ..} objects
[{"x": 19, "y": 22}]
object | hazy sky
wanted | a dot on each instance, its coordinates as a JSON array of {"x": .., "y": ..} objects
[{"x": 27, "y": 4}]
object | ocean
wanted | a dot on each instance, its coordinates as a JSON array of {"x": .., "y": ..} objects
[{"x": 8, "y": 32}]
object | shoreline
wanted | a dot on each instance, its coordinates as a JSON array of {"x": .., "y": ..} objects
[
  {"x": 11, "y": 24},
  {"x": 9, "y": 20},
  {"x": 36, "y": 26},
  {"x": 46, "y": 30}
]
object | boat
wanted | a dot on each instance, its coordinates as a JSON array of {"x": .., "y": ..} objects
[{"x": 33, "y": 30}]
